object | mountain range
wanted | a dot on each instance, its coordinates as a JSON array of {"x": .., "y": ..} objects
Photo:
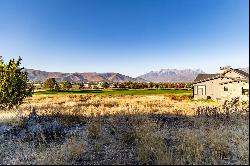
[
  {"x": 164, "y": 75},
  {"x": 38, "y": 75},
  {"x": 175, "y": 75},
  {"x": 246, "y": 69},
  {"x": 172, "y": 75}
]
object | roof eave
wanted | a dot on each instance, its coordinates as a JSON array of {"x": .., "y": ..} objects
[
  {"x": 234, "y": 81},
  {"x": 208, "y": 79},
  {"x": 241, "y": 73}
]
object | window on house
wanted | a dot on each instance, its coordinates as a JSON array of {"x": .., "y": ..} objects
[
  {"x": 245, "y": 91},
  {"x": 201, "y": 90},
  {"x": 225, "y": 88}
]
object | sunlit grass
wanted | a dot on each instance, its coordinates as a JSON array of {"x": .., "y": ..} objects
[{"x": 117, "y": 92}]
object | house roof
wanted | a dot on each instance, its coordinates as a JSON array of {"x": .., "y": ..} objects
[
  {"x": 245, "y": 74},
  {"x": 201, "y": 77},
  {"x": 204, "y": 77}
]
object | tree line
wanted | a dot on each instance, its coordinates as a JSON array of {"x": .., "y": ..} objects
[{"x": 52, "y": 84}]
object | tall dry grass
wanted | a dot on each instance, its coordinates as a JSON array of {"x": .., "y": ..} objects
[{"x": 128, "y": 130}]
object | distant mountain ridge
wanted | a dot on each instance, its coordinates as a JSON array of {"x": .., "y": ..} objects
[
  {"x": 164, "y": 75},
  {"x": 175, "y": 75},
  {"x": 245, "y": 69},
  {"x": 38, "y": 75},
  {"x": 172, "y": 75}
]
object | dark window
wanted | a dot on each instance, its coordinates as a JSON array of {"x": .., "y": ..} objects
[
  {"x": 225, "y": 88},
  {"x": 245, "y": 91}
]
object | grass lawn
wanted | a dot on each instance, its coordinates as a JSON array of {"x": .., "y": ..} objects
[{"x": 117, "y": 92}]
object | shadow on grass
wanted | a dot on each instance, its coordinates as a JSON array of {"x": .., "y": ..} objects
[{"x": 140, "y": 131}]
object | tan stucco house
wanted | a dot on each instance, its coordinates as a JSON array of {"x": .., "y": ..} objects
[{"x": 227, "y": 84}]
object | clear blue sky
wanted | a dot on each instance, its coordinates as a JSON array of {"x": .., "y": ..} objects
[{"x": 127, "y": 36}]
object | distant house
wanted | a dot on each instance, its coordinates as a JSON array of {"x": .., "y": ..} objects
[
  {"x": 86, "y": 85},
  {"x": 227, "y": 84}
]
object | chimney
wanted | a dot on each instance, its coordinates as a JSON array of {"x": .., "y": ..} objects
[{"x": 224, "y": 69}]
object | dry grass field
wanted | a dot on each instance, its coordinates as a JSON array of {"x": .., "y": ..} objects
[{"x": 150, "y": 129}]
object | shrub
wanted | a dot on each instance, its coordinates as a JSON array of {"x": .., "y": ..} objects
[
  {"x": 14, "y": 86},
  {"x": 151, "y": 148},
  {"x": 64, "y": 154},
  {"x": 42, "y": 128},
  {"x": 81, "y": 85},
  {"x": 228, "y": 109},
  {"x": 94, "y": 129},
  {"x": 66, "y": 85},
  {"x": 105, "y": 85},
  {"x": 51, "y": 84}
]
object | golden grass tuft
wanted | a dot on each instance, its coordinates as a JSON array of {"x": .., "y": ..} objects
[{"x": 69, "y": 151}]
